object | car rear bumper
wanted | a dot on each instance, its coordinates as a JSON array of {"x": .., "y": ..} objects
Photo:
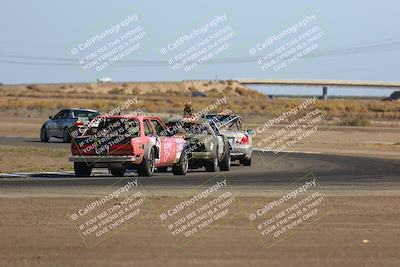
[
  {"x": 202, "y": 155},
  {"x": 102, "y": 158},
  {"x": 241, "y": 150}
]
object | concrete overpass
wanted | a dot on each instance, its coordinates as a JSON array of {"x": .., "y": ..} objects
[{"x": 323, "y": 83}]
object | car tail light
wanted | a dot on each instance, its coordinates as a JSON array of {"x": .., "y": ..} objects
[
  {"x": 75, "y": 149},
  {"x": 79, "y": 124},
  {"x": 242, "y": 140}
]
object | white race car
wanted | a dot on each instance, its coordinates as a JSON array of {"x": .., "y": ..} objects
[{"x": 240, "y": 140}]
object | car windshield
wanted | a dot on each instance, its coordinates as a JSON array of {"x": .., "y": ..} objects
[{"x": 85, "y": 114}]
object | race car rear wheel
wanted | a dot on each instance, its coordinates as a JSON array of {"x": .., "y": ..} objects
[
  {"x": 245, "y": 161},
  {"x": 225, "y": 163},
  {"x": 182, "y": 166},
  {"x": 117, "y": 172},
  {"x": 211, "y": 166},
  {"x": 82, "y": 169},
  {"x": 146, "y": 168}
]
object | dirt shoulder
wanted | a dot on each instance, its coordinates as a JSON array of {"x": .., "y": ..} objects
[
  {"x": 360, "y": 231},
  {"x": 357, "y": 141}
]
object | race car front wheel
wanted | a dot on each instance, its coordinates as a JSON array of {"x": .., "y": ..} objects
[
  {"x": 66, "y": 136},
  {"x": 43, "y": 135}
]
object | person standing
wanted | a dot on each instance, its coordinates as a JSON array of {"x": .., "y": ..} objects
[{"x": 188, "y": 109}]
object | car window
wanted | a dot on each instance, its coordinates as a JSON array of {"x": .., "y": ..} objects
[
  {"x": 132, "y": 127},
  {"x": 59, "y": 114},
  {"x": 174, "y": 128},
  {"x": 147, "y": 128},
  {"x": 65, "y": 115},
  {"x": 158, "y": 127}
]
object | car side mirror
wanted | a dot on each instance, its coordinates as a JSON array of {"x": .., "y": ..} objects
[
  {"x": 250, "y": 132},
  {"x": 50, "y": 117}
]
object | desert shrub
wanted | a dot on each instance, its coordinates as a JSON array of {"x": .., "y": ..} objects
[
  {"x": 33, "y": 88},
  {"x": 116, "y": 91},
  {"x": 355, "y": 122},
  {"x": 240, "y": 91},
  {"x": 171, "y": 92},
  {"x": 135, "y": 91},
  {"x": 229, "y": 88},
  {"x": 213, "y": 92}
]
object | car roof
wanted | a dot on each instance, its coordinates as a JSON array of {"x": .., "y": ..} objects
[
  {"x": 81, "y": 109},
  {"x": 220, "y": 114},
  {"x": 188, "y": 120},
  {"x": 133, "y": 116}
]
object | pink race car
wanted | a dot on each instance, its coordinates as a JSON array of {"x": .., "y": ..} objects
[{"x": 122, "y": 142}]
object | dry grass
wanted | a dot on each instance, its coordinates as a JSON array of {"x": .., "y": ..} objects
[{"x": 40, "y": 159}]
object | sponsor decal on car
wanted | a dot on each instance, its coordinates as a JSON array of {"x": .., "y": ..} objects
[{"x": 167, "y": 149}]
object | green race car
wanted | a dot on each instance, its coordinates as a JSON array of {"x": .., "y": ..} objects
[{"x": 205, "y": 146}]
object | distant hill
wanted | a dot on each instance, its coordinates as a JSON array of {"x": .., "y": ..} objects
[{"x": 140, "y": 88}]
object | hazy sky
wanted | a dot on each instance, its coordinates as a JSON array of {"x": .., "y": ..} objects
[{"x": 361, "y": 38}]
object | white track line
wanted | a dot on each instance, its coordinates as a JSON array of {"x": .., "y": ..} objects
[{"x": 288, "y": 151}]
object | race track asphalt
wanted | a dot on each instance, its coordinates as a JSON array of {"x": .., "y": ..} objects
[{"x": 267, "y": 171}]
